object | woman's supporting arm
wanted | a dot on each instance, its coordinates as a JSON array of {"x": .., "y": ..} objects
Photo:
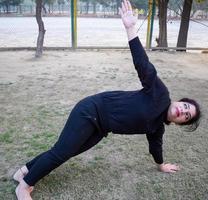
[{"x": 155, "y": 148}]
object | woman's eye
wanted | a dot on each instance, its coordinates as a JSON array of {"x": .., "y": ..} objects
[
  {"x": 186, "y": 116},
  {"x": 185, "y": 106}
]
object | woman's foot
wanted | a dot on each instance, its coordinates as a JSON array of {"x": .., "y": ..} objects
[
  {"x": 23, "y": 191},
  {"x": 20, "y": 174}
]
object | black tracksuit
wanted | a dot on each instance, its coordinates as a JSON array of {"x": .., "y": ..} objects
[{"x": 122, "y": 112}]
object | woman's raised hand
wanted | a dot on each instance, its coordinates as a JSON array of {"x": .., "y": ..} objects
[{"x": 128, "y": 18}]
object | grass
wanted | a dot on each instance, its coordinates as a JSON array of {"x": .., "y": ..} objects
[
  {"x": 103, "y": 175},
  {"x": 7, "y": 137},
  {"x": 33, "y": 114}
]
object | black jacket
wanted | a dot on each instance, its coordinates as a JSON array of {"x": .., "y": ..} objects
[{"x": 137, "y": 112}]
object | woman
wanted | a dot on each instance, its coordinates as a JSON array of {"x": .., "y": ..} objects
[{"x": 123, "y": 112}]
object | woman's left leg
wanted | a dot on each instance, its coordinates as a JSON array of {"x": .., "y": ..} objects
[
  {"x": 67, "y": 145},
  {"x": 77, "y": 131},
  {"x": 23, "y": 171}
]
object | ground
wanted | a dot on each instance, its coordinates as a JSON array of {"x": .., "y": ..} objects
[{"x": 37, "y": 95}]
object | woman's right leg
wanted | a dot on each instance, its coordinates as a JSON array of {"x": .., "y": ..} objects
[
  {"x": 23, "y": 190},
  {"x": 68, "y": 144},
  {"x": 77, "y": 131},
  {"x": 23, "y": 171}
]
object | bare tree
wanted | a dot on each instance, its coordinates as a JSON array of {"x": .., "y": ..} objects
[
  {"x": 40, "y": 40},
  {"x": 162, "y": 14},
  {"x": 185, "y": 18}
]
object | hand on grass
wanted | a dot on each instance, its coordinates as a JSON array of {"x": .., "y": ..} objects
[{"x": 168, "y": 168}]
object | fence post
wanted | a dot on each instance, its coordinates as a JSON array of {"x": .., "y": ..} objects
[
  {"x": 74, "y": 23},
  {"x": 151, "y": 14},
  {"x": 152, "y": 21}
]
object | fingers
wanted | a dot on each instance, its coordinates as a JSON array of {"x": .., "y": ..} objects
[
  {"x": 129, "y": 5},
  {"x": 126, "y": 6},
  {"x": 124, "y": 9}
]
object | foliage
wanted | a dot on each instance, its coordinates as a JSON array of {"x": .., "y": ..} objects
[
  {"x": 60, "y": 1},
  {"x": 177, "y": 6},
  {"x": 140, "y": 4},
  {"x": 10, "y": 2},
  {"x": 49, "y": 2},
  {"x": 7, "y": 3},
  {"x": 104, "y": 2},
  {"x": 200, "y": 5}
]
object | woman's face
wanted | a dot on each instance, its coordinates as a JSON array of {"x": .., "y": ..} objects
[{"x": 180, "y": 112}]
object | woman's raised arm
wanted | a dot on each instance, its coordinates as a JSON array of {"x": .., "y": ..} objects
[
  {"x": 129, "y": 19},
  {"x": 145, "y": 69}
]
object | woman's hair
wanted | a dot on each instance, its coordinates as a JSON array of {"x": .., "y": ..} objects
[{"x": 192, "y": 124}]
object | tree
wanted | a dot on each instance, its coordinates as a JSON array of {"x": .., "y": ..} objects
[
  {"x": 50, "y": 4},
  {"x": 7, "y": 3},
  {"x": 94, "y": 4},
  {"x": 176, "y": 6},
  {"x": 184, "y": 26},
  {"x": 105, "y": 3},
  {"x": 162, "y": 14},
  {"x": 140, "y": 4},
  {"x": 60, "y": 4},
  {"x": 40, "y": 40},
  {"x": 87, "y": 5},
  {"x": 117, "y": 4},
  {"x": 201, "y": 5}
]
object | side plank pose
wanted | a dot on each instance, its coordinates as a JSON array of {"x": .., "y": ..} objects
[{"x": 143, "y": 111}]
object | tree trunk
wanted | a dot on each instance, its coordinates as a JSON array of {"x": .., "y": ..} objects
[
  {"x": 40, "y": 40},
  {"x": 183, "y": 32},
  {"x": 87, "y": 6},
  {"x": 7, "y": 8},
  {"x": 94, "y": 7},
  {"x": 49, "y": 8},
  {"x": 59, "y": 8},
  {"x": 117, "y": 6},
  {"x": 44, "y": 8},
  {"x": 162, "y": 14}
]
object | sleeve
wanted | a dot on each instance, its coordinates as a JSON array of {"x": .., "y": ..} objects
[
  {"x": 145, "y": 69},
  {"x": 155, "y": 141}
]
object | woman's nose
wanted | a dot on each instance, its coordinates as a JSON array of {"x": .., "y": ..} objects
[{"x": 183, "y": 112}]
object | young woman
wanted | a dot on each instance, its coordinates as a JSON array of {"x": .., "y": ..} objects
[{"x": 143, "y": 111}]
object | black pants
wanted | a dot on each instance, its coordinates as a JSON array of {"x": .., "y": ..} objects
[{"x": 79, "y": 134}]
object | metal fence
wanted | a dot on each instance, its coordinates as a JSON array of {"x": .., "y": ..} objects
[
  {"x": 60, "y": 9},
  {"x": 18, "y": 27}
]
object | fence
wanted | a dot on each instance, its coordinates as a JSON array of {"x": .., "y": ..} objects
[
  {"x": 95, "y": 29},
  {"x": 60, "y": 9}
]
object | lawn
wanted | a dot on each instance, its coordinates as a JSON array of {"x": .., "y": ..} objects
[{"x": 37, "y": 95}]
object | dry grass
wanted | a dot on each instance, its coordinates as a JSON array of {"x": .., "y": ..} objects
[{"x": 36, "y": 96}]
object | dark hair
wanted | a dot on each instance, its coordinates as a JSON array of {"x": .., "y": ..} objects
[{"x": 192, "y": 124}]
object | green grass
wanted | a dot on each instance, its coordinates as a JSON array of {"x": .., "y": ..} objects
[
  {"x": 7, "y": 137},
  {"x": 119, "y": 167}
]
